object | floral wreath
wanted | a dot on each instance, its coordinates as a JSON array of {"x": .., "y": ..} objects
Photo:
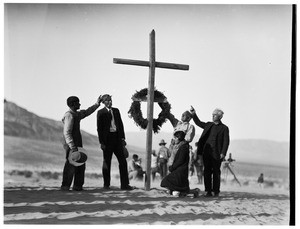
[{"x": 136, "y": 113}]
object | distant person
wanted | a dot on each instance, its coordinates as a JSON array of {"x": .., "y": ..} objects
[
  {"x": 74, "y": 166},
  {"x": 260, "y": 181},
  {"x": 135, "y": 170},
  {"x": 230, "y": 159},
  {"x": 213, "y": 145},
  {"x": 177, "y": 180},
  {"x": 163, "y": 157},
  {"x": 198, "y": 164},
  {"x": 183, "y": 125},
  {"x": 112, "y": 140},
  {"x": 154, "y": 165},
  {"x": 191, "y": 164}
]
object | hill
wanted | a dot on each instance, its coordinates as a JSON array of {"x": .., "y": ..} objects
[
  {"x": 22, "y": 124},
  {"x": 19, "y": 122}
]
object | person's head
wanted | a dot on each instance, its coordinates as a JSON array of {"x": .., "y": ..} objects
[
  {"x": 73, "y": 103},
  {"x": 162, "y": 142},
  {"x": 179, "y": 136},
  {"x": 107, "y": 101},
  {"x": 217, "y": 115},
  {"x": 186, "y": 116},
  {"x": 135, "y": 157},
  {"x": 153, "y": 152}
]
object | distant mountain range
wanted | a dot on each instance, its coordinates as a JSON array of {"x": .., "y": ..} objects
[{"x": 19, "y": 122}]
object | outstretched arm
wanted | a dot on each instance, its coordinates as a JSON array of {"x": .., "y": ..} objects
[
  {"x": 91, "y": 109},
  {"x": 197, "y": 121},
  {"x": 173, "y": 120}
]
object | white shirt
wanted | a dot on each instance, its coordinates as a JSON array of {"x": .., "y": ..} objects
[{"x": 113, "y": 127}]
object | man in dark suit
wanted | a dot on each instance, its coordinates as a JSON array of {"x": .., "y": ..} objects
[
  {"x": 112, "y": 140},
  {"x": 212, "y": 145}
]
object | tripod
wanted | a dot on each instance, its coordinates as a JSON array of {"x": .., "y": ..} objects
[{"x": 227, "y": 167}]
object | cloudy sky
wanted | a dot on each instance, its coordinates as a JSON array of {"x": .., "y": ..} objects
[{"x": 239, "y": 58}]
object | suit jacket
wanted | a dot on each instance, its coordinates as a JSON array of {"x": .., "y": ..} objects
[
  {"x": 103, "y": 124},
  {"x": 222, "y": 138}
]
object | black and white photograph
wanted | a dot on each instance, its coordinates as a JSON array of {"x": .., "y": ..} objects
[{"x": 126, "y": 113}]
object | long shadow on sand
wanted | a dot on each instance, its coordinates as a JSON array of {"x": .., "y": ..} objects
[{"x": 29, "y": 205}]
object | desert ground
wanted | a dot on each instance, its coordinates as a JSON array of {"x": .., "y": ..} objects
[{"x": 38, "y": 200}]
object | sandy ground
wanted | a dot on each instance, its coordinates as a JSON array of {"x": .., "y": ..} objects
[{"x": 31, "y": 201}]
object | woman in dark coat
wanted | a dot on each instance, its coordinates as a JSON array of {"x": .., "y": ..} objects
[{"x": 177, "y": 180}]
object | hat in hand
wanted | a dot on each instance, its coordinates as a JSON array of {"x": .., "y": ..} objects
[{"x": 78, "y": 157}]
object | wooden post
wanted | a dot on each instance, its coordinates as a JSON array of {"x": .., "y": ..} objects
[
  {"x": 152, "y": 64},
  {"x": 150, "y": 100}
]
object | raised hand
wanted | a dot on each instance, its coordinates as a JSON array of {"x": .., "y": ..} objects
[
  {"x": 192, "y": 110},
  {"x": 99, "y": 100}
]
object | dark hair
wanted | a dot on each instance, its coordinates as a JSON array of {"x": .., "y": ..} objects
[
  {"x": 180, "y": 135},
  {"x": 135, "y": 156},
  {"x": 71, "y": 100},
  {"x": 105, "y": 97}
]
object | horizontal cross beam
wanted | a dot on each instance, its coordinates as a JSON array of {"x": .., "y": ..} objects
[{"x": 147, "y": 64}]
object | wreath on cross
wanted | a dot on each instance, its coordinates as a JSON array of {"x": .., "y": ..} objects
[{"x": 136, "y": 114}]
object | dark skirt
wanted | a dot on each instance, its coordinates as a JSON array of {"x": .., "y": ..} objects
[{"x": 177, "y": 180}]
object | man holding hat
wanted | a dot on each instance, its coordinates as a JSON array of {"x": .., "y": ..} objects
[
  {"x": 163, "y": 157},
  {"x": 112, "y": 140},
  {"x": 75, "y": 155}
]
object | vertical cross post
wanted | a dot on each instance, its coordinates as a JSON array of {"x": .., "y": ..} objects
[
  {"x": 150, "y": 99},
  {"x": 152, "y": 64}
]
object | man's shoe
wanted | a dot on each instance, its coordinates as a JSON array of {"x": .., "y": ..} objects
[
  {"x": 64, "y": 188},
  {"x": 128, "y": 187},
  {"x": 77, "y": 189},
  {"x": 106, "y": 187},
  {"x": 208, "y": 194},
  {"x": 216, "y": 194}
]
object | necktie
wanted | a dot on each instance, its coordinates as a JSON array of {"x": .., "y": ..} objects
[
  {"x": 113, "y": 127},
  {"x": 110, "y": 114}
]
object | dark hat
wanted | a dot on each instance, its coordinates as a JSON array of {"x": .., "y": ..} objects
[
  {"x": 162, "y": 142},
  {"x": 83, "y": 158}
]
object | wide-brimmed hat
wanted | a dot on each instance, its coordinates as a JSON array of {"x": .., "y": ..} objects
[
  {"x": 78, "y": 157},
  {"x": 162, "y": 142}
]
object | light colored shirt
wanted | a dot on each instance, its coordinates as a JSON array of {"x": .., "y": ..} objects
[
  {"x": 187, "y": 128},
  {"x": 134, "y": 165},
  {"x": 154, "y": 163},
  {"x": 68, "y": 121},
  {"x": 113, "y": 127},
  {"x": 163, "y": 153}
]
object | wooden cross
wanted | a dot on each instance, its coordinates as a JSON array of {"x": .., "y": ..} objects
[{"x": 150, "y": 97}]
